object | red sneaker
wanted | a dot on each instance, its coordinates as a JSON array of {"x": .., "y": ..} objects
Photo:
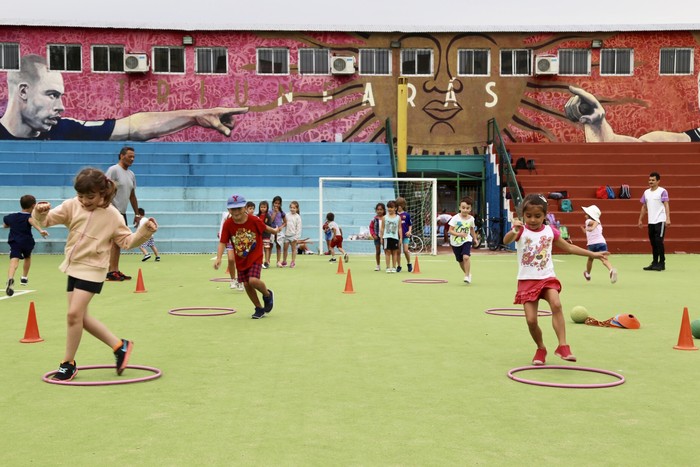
[
  {"x": 564, "y": 352},
  {"x": 539, "y": 357}
]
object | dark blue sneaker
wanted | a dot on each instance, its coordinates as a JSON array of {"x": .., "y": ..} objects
[
  {"x": 410, "y": 267},
  {"x": 122, "y": 355},
  {"x": 269, "y": 301},
  {"x": 398, "y": 268},
  {"x": 10, "y": 290},
  {"x": 259, "y": 313},
  {"x": 66, "y": 372}
]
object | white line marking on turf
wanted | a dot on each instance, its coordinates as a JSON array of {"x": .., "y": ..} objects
[{"x": 17, "y": 293}]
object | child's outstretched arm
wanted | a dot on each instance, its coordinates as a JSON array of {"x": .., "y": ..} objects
[
  {"x": 577, "y": 250},
  {"x": 36, "y": 225}
]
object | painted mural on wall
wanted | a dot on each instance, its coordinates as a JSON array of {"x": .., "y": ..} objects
[{"x": 447, "y": 113}]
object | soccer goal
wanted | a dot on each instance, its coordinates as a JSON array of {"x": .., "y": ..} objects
[{"x": 352, "y": 200}]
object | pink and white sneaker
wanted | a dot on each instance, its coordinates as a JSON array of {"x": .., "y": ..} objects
[
  {"x": 587, "y": 275},
  {"x": 540, "y": 357},
  {"x": 564, "y": 352}
]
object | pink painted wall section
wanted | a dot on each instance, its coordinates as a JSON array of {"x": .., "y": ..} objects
[{"x": 447, "y": 112}]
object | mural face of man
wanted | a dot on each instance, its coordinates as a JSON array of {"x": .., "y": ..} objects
[{"x": 42, "y": 101}]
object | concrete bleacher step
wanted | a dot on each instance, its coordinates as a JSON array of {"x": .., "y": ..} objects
[{"x": 185, "y": 185}]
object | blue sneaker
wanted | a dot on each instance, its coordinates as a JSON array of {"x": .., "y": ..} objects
[
  {"x": 398, "y": 269},
  {"x": 259, "y": 313},
  {"x": 410, "y": 267},
  {"x": 122, "y": 354},
  {"x": 269, "y": 301}
]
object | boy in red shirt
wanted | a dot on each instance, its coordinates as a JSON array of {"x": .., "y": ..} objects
[{"x": 245, "y": 233}]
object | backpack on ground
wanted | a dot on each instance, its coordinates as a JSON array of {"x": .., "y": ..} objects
[
  {"x": 601, "y": 193},
  {"x": 566, "y": 206},
  {"x": 552, "y": 220},
  {"x": 625, "y": 191},
  {"x": 610, "y": 191},
  {"x": 530, "y": 165}
]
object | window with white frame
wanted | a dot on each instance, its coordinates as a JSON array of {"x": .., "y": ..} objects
[
  {"x": 616, "y": 62},
  {"x": 575, "y": 62},
  {"x": 168, "y": 59},
  {"x": 211, "y": 60},
  {"x": 65, "y": 57},
  {"x": 108, "y": 58},
  {"x": 272, "y": 61},
  {"x": 9, "y": 56},
  {"x": 473, "y": 62},
  {"x": 516, "y": 62},
  {"x": 676, "y": 61},
  {"x": 375, "y": 62},
  {"x": 314, "y": 61},
  {"x": 418, "y": 62}
]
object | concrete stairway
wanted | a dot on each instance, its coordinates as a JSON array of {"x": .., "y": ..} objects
[{"x": 581, "y": 168}]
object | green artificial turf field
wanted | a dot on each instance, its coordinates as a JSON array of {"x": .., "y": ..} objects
[{"x": 394, "y": 374}]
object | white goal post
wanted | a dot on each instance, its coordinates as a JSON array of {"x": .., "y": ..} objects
[{"x": 353, "y": 200}]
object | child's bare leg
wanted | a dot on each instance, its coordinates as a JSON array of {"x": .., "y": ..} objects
[
  {"x": 25, "y": 267},
  {"x": 532, "y": 325},
  {"x": 558, "y": 323},
  {"x": 397, "y": 258},
  {"x": 387, "y": 258},
  {"x": 78, "y": 301},
  {"x": 377, "y": 253},
  {"x": 286, "y": 249},
  {"x": 605, "y": 262},
  {"x": 467, "y": 264},
  {"x": 155, "y": 250},
  {"x": 252, "y": 287},
  {"x": 14, "y": 263},
  {"x": 407, "y": 253},
  {"x": 143, "y": 250},
  {"x": 589, "y": 265},
  {"x": 294, "y": 251},
  {"x": 100, "y": 331}
]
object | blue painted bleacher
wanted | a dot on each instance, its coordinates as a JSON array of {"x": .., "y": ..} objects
[{"x": 185, "y": 185}]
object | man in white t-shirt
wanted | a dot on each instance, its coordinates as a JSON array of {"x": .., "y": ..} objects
[
  {"x": 655, "y": 205},
  {"x": 442, "y": 220}
]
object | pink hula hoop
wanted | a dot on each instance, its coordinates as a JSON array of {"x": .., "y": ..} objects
[
  {"x": 156, "y": 374},
  {"x": 425, "y": 281},
  {"x": 498, "y": 312},
  {"x": 620, "y": 378},
  {"x": 224, "y": 311}
]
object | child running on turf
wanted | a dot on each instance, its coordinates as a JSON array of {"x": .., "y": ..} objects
[
  {"x": 279, "y": 222},
  {"x": 406, "y": 232},
  {"x": 536, "y": 279},
  {"x": 292, "y": 233},
  {"x": 245, "y": 231},
  {"x": 234, "y": 284},
  {"x": 391, "y": 234},
  {"x": 595, "y": 241},
  {"x": 336, "y": 238},
  {"x": 94, "y": 224},
  {"x": 265, "y": 216},
  {"x": 375, "y": 229},
  {"x": 21, "y": 241},
  {"x": 150, "y": 243},
  {"x": 461, "y": 229}
]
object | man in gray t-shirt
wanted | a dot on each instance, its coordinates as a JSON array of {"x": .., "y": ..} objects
[{"x": 126, "y": 194}]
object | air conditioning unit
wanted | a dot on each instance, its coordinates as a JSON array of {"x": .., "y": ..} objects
[
  {"x": 135, "y": 63},
  {"x": 546, "y": 65},
  {"x": 342, "y": 65}
]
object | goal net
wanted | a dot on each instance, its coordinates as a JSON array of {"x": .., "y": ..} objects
[{"x": 353, "y": 200}]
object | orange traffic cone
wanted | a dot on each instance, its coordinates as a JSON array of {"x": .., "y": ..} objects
[
  {"x": 416, "y": 266},
  {"x": 340, "y": 266},
  {"x": 685, "y": 338},
  {"x": 348, "y": 284},
  {"x": 31, "y": 333},
  {"x": 140, "y": 288}
]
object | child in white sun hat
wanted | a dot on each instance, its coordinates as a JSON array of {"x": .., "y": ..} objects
[{"x": 595, "y": 241}]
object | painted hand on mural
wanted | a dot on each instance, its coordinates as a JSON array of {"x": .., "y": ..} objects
[
  {"x": 148, "y": 125},
  {"x": 583, "y": 107}
]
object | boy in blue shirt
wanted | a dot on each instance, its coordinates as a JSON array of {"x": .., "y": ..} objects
[{"x": 21, "y": 240}]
